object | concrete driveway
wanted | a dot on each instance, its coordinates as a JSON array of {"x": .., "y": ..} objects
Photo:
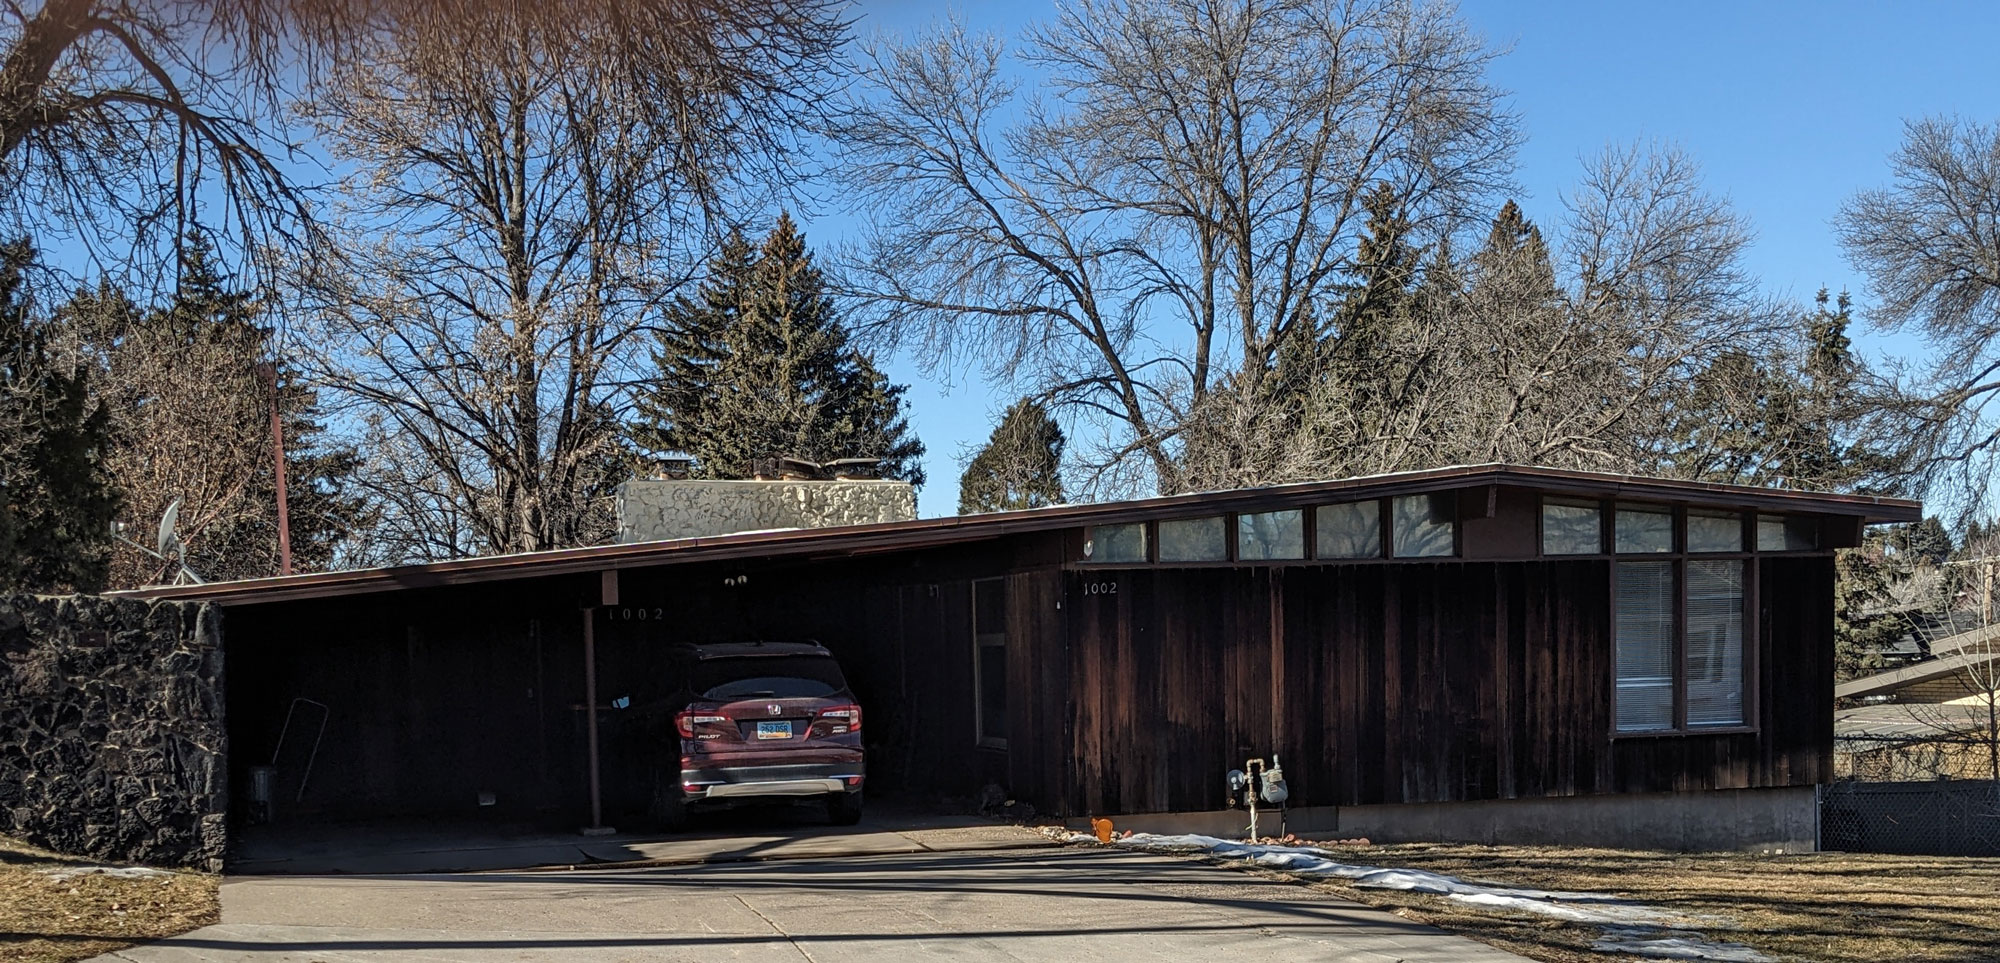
[{"x": 1018, "y": 905}]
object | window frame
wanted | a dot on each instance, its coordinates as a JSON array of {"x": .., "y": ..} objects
[
  {"x": 1390, "y": 547},
  {"x": 1308, "y": 534},
  {"x": 1569, "y": 501},
  {"x": 1679, "y": 558},
  {"x": 1155, "y": 540},
  {"x": 981, "y": 642},
  {"x": 1238, "y": 529}
]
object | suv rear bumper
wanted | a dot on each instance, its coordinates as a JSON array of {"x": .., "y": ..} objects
[{"x": 809, "y": 779}]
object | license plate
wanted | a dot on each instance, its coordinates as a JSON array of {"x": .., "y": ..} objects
[{"x": 774, "y": 730}]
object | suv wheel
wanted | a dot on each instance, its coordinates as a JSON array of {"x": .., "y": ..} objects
[
  {"x": 669, "y": 806},
  {"x": 844, "y": 808}
]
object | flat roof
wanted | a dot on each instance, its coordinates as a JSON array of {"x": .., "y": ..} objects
[{"x": 927, "y": 532}]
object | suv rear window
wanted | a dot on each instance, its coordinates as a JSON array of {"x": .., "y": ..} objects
[{"x": 767, "y": 676}]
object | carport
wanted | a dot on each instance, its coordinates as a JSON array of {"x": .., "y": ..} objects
[{"x": 482, "y": 701}]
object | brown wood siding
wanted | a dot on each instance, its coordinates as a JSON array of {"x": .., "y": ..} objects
[
  {"x": 1374, "y": 682},
  {"x": 1037, "y": 686},
  {"x": 1421, "y": 682}
]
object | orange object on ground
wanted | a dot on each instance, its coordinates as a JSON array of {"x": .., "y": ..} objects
[{"x": 1102, "y": 827}]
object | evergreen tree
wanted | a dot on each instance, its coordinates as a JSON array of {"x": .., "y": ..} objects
[
  {"x": 1785, "y": 416},
  {"x": 1379, "y": 293},
  {"x": 1513, "y": 242},
  {"x": 1925, "y": 542},
  {"x": 1018, "y": 467},
  {"x": 1862, "y": 578},
  {"x": 57, "y": 501},
  {"x": 758, "y": 364}
]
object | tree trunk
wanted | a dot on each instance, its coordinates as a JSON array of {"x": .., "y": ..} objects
[{"x": 53, "y": 30}]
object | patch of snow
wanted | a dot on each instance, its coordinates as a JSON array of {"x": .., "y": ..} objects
[
  {"x": 1674, "y": 946},
  {"x": 63, "y": 874},
  {"x": 1628, "y": 927}
]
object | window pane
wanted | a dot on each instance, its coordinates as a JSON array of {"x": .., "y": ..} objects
[
  {"x": 1786, "y": 533},
  {"x": 1571, "y": 527},
  {"x": 989, "y": 607},
  {"x": 1353, "y": 530},
  {"x": 1425, "y": 525},
  {"x": 1715, "y": 532},
  {"x": 1271, "y": 535},
  {"x": 1193, "y": 540},
  {"x": 989, "y": 641},
  {"x": 992, "y": 692},
  {"x": 1715, "y": 643},
  {"x": 1645, "y": 646},
  {"x": 1645, "y": 528},
  {"x": 1116, "y": 543}
]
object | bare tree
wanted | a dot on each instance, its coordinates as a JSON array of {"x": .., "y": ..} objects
[
  {"x": 1185, "y": 198},
  {"x": 1929, "y": 244},
  {"x": 526, "y": 194},
  {"x": 193, "y": 428},
  {"x": 1571, "y": 355},
  {"x": 121, "y": 121}
]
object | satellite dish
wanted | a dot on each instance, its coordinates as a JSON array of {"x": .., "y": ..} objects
[
  {"x": 166, "y": 543},
  {"x": 167, "y": 521}
]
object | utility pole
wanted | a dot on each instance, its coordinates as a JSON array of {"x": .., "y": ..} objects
[{"x": 270, "y": 371}]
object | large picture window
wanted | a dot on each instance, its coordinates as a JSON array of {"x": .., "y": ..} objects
[
  {"x": 1694, "y": 608},
  {"x": 989, "y": 665}
]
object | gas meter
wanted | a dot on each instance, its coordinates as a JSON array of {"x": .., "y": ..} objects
[
  {"x": 1273, "y": 789},
  {"x": 1257, "y": 781}
]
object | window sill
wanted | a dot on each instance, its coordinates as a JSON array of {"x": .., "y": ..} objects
[
  {"x": 1683, "y": 733},
  {"x": 995, "y": 744}
]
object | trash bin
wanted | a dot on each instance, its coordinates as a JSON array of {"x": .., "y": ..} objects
[{"x": 263, "y": 788}]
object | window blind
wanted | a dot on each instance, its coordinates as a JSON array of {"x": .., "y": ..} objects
[
  {"x": 1715, "y": 643},
  {"x": 1645, "y": 646}
]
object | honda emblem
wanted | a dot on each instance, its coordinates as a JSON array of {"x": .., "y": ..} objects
[{"x": 776, "y": 709}]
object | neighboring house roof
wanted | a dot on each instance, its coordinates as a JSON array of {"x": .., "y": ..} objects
[
  {"x": 1971, "y": 631},
  {"x": 1886, "y": 683},
  {"x": 1903, "y": 723},
  {"x": 927, "y": 532},
  {"x": 1928, "y": 633}
]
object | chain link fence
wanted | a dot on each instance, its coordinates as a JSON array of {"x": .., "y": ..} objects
[{"x": 1937, "y": 818}]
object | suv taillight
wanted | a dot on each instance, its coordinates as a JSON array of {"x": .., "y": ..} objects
[
  {"x": 686, "y": 722},
  {"x": 840, "y": 719}
]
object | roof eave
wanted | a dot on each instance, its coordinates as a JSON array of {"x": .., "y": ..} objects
[{"x": 931, "y": 532}]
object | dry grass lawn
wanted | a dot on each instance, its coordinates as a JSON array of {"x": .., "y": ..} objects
[
  {"x": 1834, "y": 907},
  {"x": 46, "y": 921}
]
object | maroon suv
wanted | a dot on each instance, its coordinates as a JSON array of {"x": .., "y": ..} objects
[{"x": 756, "y": 721}]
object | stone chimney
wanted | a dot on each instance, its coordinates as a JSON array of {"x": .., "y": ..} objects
[{"x": 787, "y": 493}]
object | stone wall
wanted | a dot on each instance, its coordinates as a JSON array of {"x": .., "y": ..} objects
[
  {"x": 655, "y": 509},
  {"x": 111, "y": 728}
]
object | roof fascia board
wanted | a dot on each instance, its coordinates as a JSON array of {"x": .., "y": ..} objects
[{"x": 926, "y": 533}]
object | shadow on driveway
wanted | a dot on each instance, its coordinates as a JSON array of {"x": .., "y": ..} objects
[{"x": 779, "y": 831}]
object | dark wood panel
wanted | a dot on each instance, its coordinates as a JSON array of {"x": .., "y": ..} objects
[{"x": 1408, "y": 683}]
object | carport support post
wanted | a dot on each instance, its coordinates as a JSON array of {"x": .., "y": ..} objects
[{"x": 609, "y": 596}]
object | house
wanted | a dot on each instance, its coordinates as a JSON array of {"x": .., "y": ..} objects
[
  {"x": 1926, "y": 719},
  {"x": 1485, "y": 653}
]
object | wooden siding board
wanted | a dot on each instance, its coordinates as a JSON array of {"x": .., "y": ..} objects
[{"x": 1407, "y": 683}]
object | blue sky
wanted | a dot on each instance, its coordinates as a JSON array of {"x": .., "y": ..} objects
[{"x": 1789, "y": 107}]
